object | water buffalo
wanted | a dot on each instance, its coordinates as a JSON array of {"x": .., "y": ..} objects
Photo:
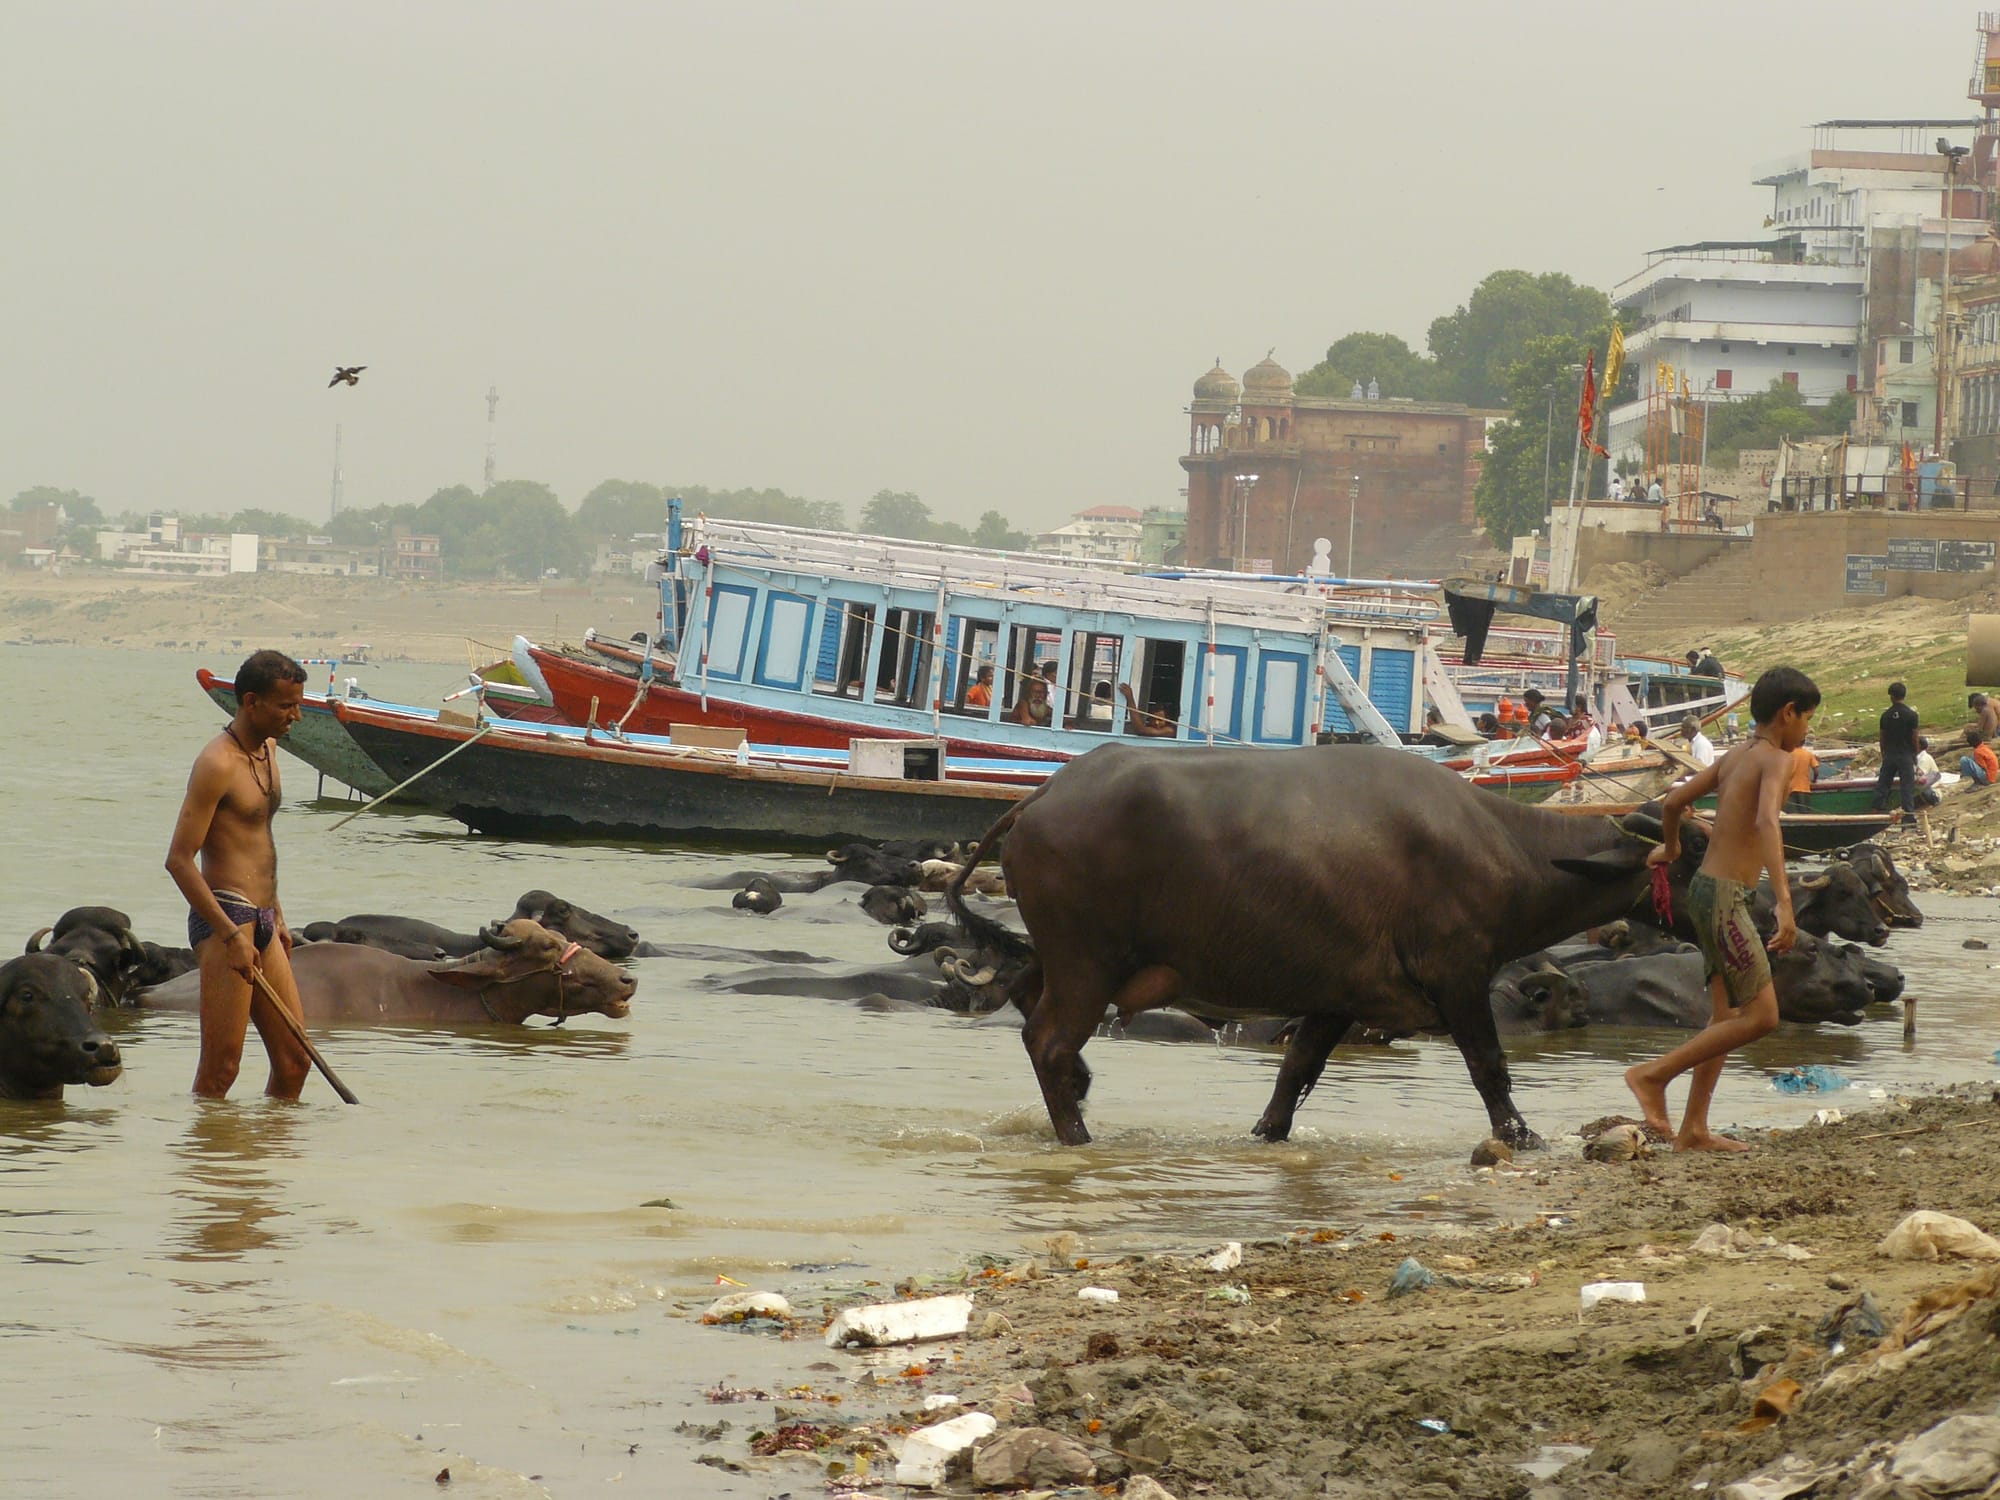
[
  {"x": 1833, "y": 903},
  {"x": 1886, "y": 886},
  {"x": 47, "y": 1038},
  {"x": 893, "y": 905},
  {"x": 411, "y": 937},
  {"x": 521, "y": 969},
  {"x": 98, "y": 939},
  {"x": 760, "y": 895},
  {"x": 1337, "y": 884}
]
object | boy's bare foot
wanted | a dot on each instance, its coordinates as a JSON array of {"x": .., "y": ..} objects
[
  {"x": 1652, "y": 1101},
  {"x": 1701, "y": 1140}
]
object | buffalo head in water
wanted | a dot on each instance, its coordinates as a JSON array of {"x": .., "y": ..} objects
[
  {"x": 601, "y": 935},
  {"x": 47, "y": 1038},
  {"x": 527, "y": 970}
]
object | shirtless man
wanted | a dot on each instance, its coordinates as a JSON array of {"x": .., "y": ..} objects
[
  {"x": 235, "y": 924},
  {"x": 1745, "y": 840}
]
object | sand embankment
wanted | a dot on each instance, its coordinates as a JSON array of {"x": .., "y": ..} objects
[{"x": 310, "y": 616}]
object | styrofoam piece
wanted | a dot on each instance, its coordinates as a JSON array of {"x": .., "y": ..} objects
[
  {"x": 1612, "y": 1291},
  {"x": 1097, "y": 1294},
  {"x": 939, "y": 1400},
  {"x": 927, "y": 1452},
  {"x": 1228, "y": 1258},
  {"x": 737, "y": 1306},
  {"x": 900, "y": 1322}
]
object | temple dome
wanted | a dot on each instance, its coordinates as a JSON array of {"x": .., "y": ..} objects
[
  {"x": 1268, "y": 377},
  {"x": 1217, "y": 385}
]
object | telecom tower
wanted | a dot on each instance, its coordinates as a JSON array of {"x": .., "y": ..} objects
[
  {"x": 335, "y": 510},
  {"x": 492, "y": 407}
]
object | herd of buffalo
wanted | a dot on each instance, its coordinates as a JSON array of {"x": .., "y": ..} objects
[{"x": 1356, "y": 908}]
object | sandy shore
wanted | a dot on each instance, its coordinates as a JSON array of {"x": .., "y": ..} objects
[
  {"x": 310, "y": 616},
  {"x": 1296, "y": 1373}
]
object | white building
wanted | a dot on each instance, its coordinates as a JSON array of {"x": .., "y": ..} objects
[
  {"x": 1812, "y": 305},
  {"x": 1104, "y": 533}
]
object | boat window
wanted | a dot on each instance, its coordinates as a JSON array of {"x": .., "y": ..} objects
[
  {"x": 728, "y": 617},
  {"x": 970, "y": 645},
  {"x": 1158, "y": 686},
  {"x": 843, "y": 654},
  {"x": 906, "y": 655},
  {"x": 1093, "y": 673},
  {"x": 1029, "y": 649},
  {"x": 1391, "y": 678},
  {"x": 1222, "y": 715},
  {"x": 781, "y": 655},
  {"x": 1281, "y": 698}
]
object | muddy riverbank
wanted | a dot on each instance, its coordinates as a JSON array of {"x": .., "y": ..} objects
[{"x": 1297, "y": 1373}]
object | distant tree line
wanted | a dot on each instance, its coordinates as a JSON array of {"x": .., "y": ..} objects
[{"x": 518, "y": 528}]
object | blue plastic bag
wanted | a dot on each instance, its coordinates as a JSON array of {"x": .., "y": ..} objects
[{"x": 1813, "y": 1078}]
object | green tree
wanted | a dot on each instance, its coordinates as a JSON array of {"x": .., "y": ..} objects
[
  {"x": 532, "y": 533},
  {"x": 1529, "y": 460},
  {"x": 1764, "y": 419},
  {"x": 270, "y": 523},
  {"x": 995, "y": 531},
  {"x": 1476, "y": 346},
  {"x": 622, "y": 507},
  {"x": 1382, "y": 357},
  {"x": 79, "y": 508},
  {"x": 897, "y": 513}
]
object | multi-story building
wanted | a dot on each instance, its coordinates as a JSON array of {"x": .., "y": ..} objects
[
  {"x": 1270, "y": 472},
  {"x": 1103, "y": 533},
  {"x": 412, "y": 557}
]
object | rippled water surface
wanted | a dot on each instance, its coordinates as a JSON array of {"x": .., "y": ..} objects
[{"x": 250, "y": 1298}]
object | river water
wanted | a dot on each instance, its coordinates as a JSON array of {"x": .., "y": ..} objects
[{"x": 249, "y": 1298}]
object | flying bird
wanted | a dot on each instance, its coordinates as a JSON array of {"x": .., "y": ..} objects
[{"x": 348, "y": 374}]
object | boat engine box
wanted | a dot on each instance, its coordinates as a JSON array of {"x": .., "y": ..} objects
[{"x": 897, "y": 760}]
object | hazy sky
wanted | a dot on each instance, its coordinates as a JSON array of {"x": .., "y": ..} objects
[{"x": 979, "y": 251}]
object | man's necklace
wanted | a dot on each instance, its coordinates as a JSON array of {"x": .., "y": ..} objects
[{"x": 263, "y": 779}]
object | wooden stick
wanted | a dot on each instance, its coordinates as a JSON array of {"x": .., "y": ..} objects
[
  {"x": 299, "y": 1034},
  {"x": 484, "y": 731}
]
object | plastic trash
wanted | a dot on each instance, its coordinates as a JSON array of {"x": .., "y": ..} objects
[
  {"x": 900, "y": 1322},
  {"x": 1433, "y": 1424},
  {"x": 1228, "y": 1258},
  {"x": 1238, "y": 1294},
  {"x": 1813, "y": 1078},
  {"x": 1611, "y": 1291},
  {"x": 928, "y": 1452},
  {"x": 1411, "y": 1276},
  {"x": 1827, "y": 1117},
  {"x": 1096, "y": 1294},
  {"x": 1926, "y": 1235},
  {"x": 739, "y": 1306}
]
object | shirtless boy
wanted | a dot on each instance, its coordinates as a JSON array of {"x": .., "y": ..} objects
[
  {"x": 235, "y": 924},
  {"x": 1744, "y": 842}
]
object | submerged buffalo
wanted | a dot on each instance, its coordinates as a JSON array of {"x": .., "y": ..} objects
[
  {"x": 411, "y": 937},
  {"x": 100, "y": 939},
  {"x": 521, "y": 969},
  {"x": 1341, "y": 884},
  {"x": 47, "y": 1038},
  {"x": 1884, "y": 882}
]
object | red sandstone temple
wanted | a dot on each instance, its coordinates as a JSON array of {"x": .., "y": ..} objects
[{"x": 1404, "y": 470}]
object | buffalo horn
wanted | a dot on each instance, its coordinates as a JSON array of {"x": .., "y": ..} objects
[
  {"x": 496, "y": 936},
  {"x": 954, "y": 968},
  {"x": 1814, "y": 882},
  {"x": 90, "y": 983},
  {"x": 35, "y": 942}
]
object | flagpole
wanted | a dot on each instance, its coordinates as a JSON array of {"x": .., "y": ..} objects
[{"x": 1561, "y": 583}]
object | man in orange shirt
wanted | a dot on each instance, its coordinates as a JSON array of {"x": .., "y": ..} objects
[
  {"x": 980, "y": 694},
  {"x": 1982, "y": 766},
  {"x": 1805, "y": 769}
]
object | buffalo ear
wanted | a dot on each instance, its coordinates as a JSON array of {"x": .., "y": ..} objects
[
  {"x": 1614, "y": 864},
  {"x": 467, "y": 974}
]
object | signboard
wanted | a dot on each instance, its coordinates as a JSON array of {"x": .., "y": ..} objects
[
  {"x": 1913, "y": 554},
  {"x": 1956, "y": 556},
  {"x": 1867, "y": 573}
]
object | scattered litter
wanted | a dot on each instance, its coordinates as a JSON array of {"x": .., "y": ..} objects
[
  {"x": 1773, "y": 1404},
  {"x": 1700, "y": 1317},
  {"x": 738, "y": 1306},
  {"x": 1827, "y": 1117},
  {"x": 1237, "y": 1294},
  {"x": 1433, "y": 1424},
  {"x": 1611, "y": 1291},
  {"x": 900, "y": 1322},
  {"x": 1926, "y": 1235},
  {"x": 1619, "y": 1143},
  {"x": 1492, "y": 1152},
  {"x": 1812, "y": 1078},
  {"x": 1411, "y": 1276},
  {"x": 1856, "y": 1320},
  {"x": 928, "y": 1452},
  {"x": 1502, "y": 1282},
  {"x": 940, "y": 1400},
  {"x": 1096, "y": 1294},
  {"x": 1228, "y": 1258}
]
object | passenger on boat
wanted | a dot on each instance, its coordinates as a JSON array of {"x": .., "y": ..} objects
[
  {"x": 1699, "y": 745},
  {"x": 1487, "y": 725},
  {"x": 1805, "y": 771},
  {"x": 1033, "y": 707},
  {"x": 1158, "y": 724},
  {"x": 980, "y": 694},
  {"x": 1100, "y": 703}
]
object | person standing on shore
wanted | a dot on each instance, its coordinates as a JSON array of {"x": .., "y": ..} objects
[
  {"x": 1745, "y": 841},
  {"x": 1899, "y": 730},
  {"x": 225, "y": 862},
  {"x": 1989, "y": 715}
]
